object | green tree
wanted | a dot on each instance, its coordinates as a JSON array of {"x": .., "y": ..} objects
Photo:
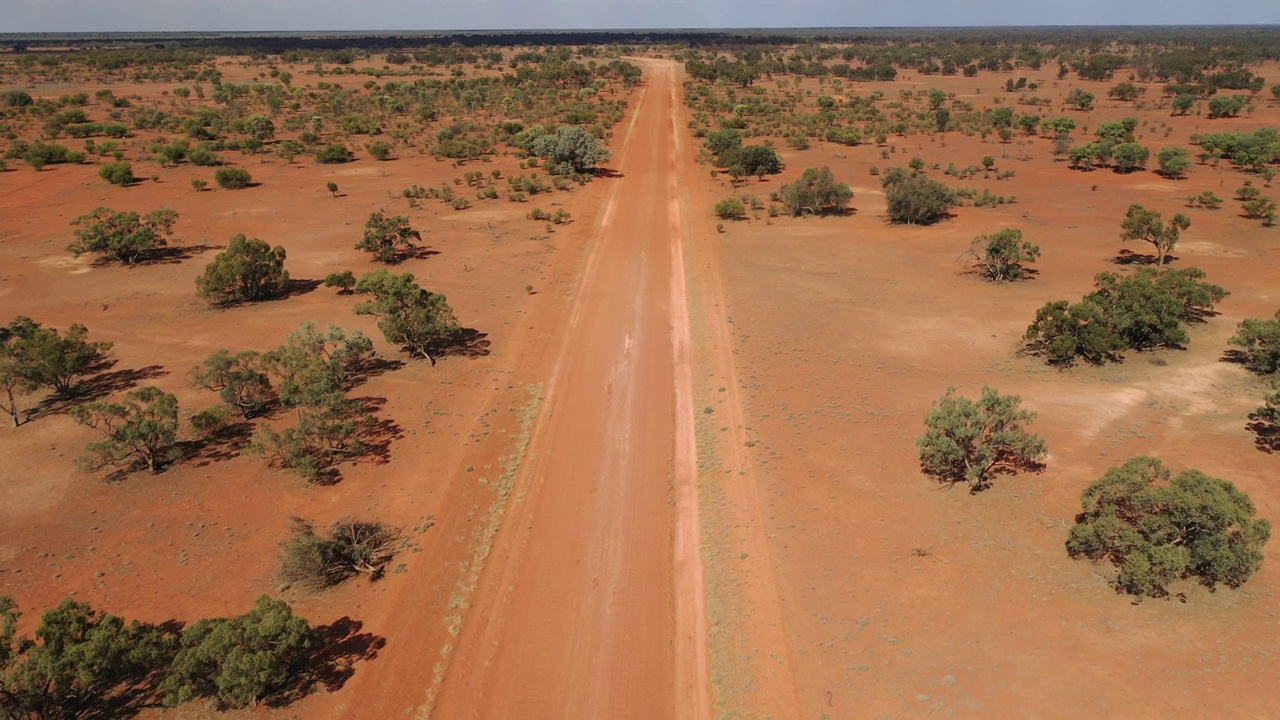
[
  {"x": 345, "y": 281},
  {"x": 1227, "y": 105},
  {"x": 123, "y": 236},
  {"x": 1143, "y": 311},
  {"x": 386, "y": 237},
  {"x": 232, "y": 178},
  {"x": 967, "y": 441},
  {"x": 332, "y": 187},
  {"x": 409, "y": 316},
  {"x": 1174, "y": 162},
  {"x": 721, "y": 142},
  {"x": 242, "y": 660},
  {"x": 1260, "y": 343},
  {"x": 1117, "y": 131},
  {"x": 1183, "y": 103},
  {"x": 330, "y": 428},
  {"x": 1148, "y": 226},
  {"x": 249, "y": 270},
  {"x": 1130, "y": 156},
  {"x": 140, "y": 430},
  {"x": 817, "y": 192},
  {"x": 915, "y": 199},
  {"x": 1267, "y": 418},
  {"x": 1259, "y": 207},
  {"x": 315, "y": 363},
  {"x": 570, "y": 149},
  {"x": 240, "y": 380},
  {"x": 1003, "y": 255},
  {"x": 380, "y": 150},
  {"x": 1158, "y": 529},
  {"x": 1057, "y": 126},
  {"x": 117, "y": 173},
  {"x": 47, "y": 359},
  {"x": 14, "y": 381},
  {"x": 1063, "y": 331},
  {"x": 757, "y": 160},
  {"x": 1125, "y": 92},
  {"x": 1080, "y": 99},
  {"x": 80, "y": 662}
]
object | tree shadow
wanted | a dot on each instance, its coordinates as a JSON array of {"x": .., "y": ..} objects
[
  {"x": 468, "y": 342},
  {"x": 1130, "y": 257},
  {"x": 375, "y": 367},
  {"x": 168, "y": 255},
  {"x": 1006, "y": 467},
  {"x": 174, "y": 254},
  {"x": 333, "y": 663},
  {"x": 97, "y": 387},
  {"x": 417, "y": 252},
  {"x": 609, "y": 173},
  {"x": 1266, "y": 435},
  {"x": 1235, "y": 357},
  {"x": 377, "y": 438},
  {"x": 297, "y": 287},
  {"x": 225, "y": 444}
]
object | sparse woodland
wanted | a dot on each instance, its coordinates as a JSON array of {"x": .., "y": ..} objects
[{"x": 763, "y": 133}]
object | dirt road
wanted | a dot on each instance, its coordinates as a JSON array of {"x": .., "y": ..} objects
[{"x": 590, "y": 606}]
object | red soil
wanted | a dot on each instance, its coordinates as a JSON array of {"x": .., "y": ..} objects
[{"x": 560, "y": 574}]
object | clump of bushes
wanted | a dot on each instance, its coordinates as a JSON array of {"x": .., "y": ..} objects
[{"x": 1147, "y": 310}]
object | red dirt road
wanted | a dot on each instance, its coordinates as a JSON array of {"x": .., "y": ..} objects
[{"x": 590, "y": 606}]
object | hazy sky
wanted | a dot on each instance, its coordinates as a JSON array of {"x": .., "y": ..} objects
[{"x": 109, "y": 15}]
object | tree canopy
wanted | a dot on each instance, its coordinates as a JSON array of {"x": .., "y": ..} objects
[
  {"x": 914, "y": 198},
  {"x": 1157, "y": 528},
  {"x": 410, "y": 316},
  {"x": 249, "y": 270},
  {"x": 817, "y": 192},
  {"x": 46, "y": 358},
  {"x": 1148, "y": 226},
  {"x": 139, "y": 430},
  {"x": 1146, "y": 310},
  {"x": 1259, "y": 340},
  {"x": 967, "y": 441},
  {"x": 570, "y": 149},
  {"x": 1003, "y": 255},
  {"x": 387, "y": 237},
  {"x": 123, "y": 236}
]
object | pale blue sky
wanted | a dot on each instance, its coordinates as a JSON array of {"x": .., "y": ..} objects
[{"x": 264, "y": 15}]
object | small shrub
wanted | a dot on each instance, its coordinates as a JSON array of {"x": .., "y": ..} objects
[
  {"x": 731, "y": 209},
  {"x": 117, "y": 173},
  {"x": 345, "y": 281},
  {"x": 232, "y": 178},
  {"x": 333, "y": 153}
]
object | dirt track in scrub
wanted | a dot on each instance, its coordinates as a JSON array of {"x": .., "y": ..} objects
[{"x": 588, "y": 606}]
